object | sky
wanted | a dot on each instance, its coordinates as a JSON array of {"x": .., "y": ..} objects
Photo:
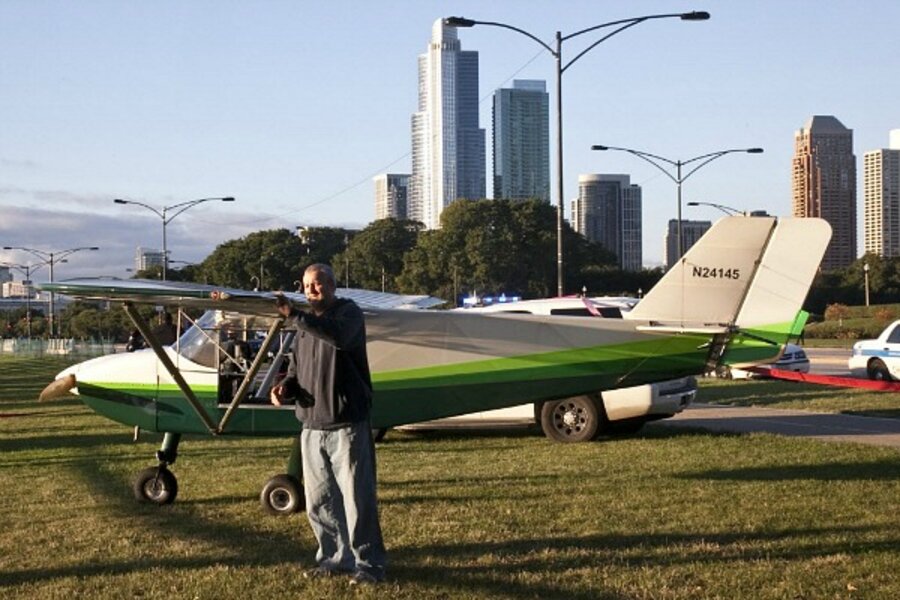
[{"x": 293, "y": 107}]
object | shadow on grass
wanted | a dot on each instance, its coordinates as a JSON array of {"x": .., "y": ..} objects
[
  {"x": 459, "y": 434},
  {"x": 881, "y": 470},
  {"x": 56, "y": 442},
  {"x": 528, "y": 559}
]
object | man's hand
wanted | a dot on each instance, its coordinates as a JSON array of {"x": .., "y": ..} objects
[
  {"x": 283, "y": 305},
  {"x": 276, "y": 395}
]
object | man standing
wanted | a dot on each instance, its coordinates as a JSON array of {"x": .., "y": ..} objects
[{"x": 329, "y": 381}]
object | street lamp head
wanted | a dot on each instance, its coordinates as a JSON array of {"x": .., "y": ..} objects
[
  {"x": 754, "y": 150},
  {"x": 693, "y": 203},
  {"x": 228, "y": 199},
  {"x": 695, "y": 16},
  {"x": 459, "y": 22},
  {"x": 120, "y": 201},
  {"x": 599, "y": 147}
]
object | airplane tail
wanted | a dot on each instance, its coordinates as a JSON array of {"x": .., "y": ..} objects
[{"x": 749, "y": 275}]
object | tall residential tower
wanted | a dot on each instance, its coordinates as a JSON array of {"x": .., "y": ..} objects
[
  {"x": 608, "y": 212},
  {"x": 522, "y": 141},
  {"x": 448, "y": 160},
  {"x": 824, "y": 184},
  {"x": 391, "y": 193},
  {"x": 881, "y": 195}
]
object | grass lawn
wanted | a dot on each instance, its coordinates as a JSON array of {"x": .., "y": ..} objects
[
  {"x": 667, "y": 514},
  {"x": 799, "y": 396}
]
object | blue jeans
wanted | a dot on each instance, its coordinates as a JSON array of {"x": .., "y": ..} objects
[{"x": 339, "y": 480}]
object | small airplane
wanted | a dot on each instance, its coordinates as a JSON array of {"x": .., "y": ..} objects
[{"x": 734, "y": 297}]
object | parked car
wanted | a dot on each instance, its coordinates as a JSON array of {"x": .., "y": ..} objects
[
  {"x": 792, "y": 359},
  {"x": 581, "y": 418},
  {"x": 878, "y": 359}
]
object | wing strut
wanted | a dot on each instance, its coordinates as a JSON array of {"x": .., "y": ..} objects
[
  {"x": 145, "y": 330},
  {"x": 251, "y": 373}
]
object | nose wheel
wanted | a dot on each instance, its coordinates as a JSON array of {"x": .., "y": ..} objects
[{"x": 156, "y": 485}]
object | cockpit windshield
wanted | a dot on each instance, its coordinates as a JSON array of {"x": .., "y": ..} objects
[{"x": 204, "y": 342}]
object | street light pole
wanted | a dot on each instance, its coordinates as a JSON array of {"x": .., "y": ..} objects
[
  {"x": 27, "y": 270},
  {"x": 50, "y": 258},
  {"x": 866, "y": 276},
  {"x": 678, "y": 178},
  {"x": 728, "y": 210},
  {"x": 162, "y": 214},
  {"x": 560, "y": 69}
]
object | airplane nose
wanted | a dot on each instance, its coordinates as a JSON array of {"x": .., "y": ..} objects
[{"x": 58, "y": 389}]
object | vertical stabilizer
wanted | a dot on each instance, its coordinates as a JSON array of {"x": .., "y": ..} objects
[{"x": 709, "y": 284}]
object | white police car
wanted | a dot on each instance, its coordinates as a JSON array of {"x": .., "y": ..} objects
[{"x": 878, "y": 359}]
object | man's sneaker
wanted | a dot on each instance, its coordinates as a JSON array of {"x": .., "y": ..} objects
[
  {"x": 319, "y": 573},
  {"x": 363, "y": 578}
]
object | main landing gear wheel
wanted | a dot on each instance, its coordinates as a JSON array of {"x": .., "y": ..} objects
[
  {"x": 157, "y": 485},
  {"x": 879, "y": 371},
  {"x": 282, "y": 495},
  {"x": 571, "y": 419}
]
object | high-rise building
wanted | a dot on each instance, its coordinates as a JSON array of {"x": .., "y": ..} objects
[
  {"x": 391, "y": 192},
  {"x": 521, "y": 132},
  {"x": 881, "y": 197},
  {"x": 824, "y": 184},
  {"x": 608, "y": 211},
  {"x": 448, "y": 160},
  {"x": 691, "y": 232},
  {"x": 147, "y": 258}
]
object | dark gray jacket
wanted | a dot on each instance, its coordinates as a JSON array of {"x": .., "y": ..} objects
[{"x": 331, "y": 366}]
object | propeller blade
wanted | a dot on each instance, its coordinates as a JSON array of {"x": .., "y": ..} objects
[{"x": 58, "y": 389}]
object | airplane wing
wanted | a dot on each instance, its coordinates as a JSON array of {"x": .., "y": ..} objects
[{"x": 196, "y": 295}]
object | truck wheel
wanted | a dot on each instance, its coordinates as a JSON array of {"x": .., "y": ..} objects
[
  {"x": 574, "y": 419},
  {"x": 879, "y": 371}
]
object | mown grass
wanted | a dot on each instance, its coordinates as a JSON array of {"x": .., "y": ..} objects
[
  {"x": 799, "y": 396},
  {"x": 668, "y": 514}
]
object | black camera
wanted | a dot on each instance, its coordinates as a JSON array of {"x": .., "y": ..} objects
[{"x": 294, "y": 392}]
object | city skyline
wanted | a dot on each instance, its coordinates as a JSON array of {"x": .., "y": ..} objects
[{"x": 293, "y": 110}]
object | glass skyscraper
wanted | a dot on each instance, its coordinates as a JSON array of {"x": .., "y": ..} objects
[
  {"x": 608, "y": 212},
  {"x": 448, "y": 148},
  {"x": 521, "y": 131},
  {"x": 824, "y": 184}
]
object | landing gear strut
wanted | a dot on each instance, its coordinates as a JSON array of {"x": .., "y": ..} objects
[{"x": 157, "y": 484}]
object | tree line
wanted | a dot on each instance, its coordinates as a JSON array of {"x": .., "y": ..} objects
[{"x": 483, "y": 248}]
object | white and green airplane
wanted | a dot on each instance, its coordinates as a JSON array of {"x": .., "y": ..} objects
[{"x": 735, "y": 298}]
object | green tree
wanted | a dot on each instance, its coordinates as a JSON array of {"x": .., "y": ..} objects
[
  {"x": 375, "y": 254},
  {"x": 271, "y": 260},
  {"x": 493, "y": 246}
]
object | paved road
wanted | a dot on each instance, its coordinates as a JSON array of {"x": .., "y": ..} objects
[
  {"x": 822, "y": 426},
  {"x": 828, "y": 361}
]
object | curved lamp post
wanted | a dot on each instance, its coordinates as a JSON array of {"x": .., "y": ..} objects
[
  {"x": 51, "y": 258},
  {"x": 678, "y": 178},
  {"x": 728, "y": 210},
  {"x": 167, "y": 218},
  {"x": 26, "y": 270},
  {"x": 561, "y": 68}
]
